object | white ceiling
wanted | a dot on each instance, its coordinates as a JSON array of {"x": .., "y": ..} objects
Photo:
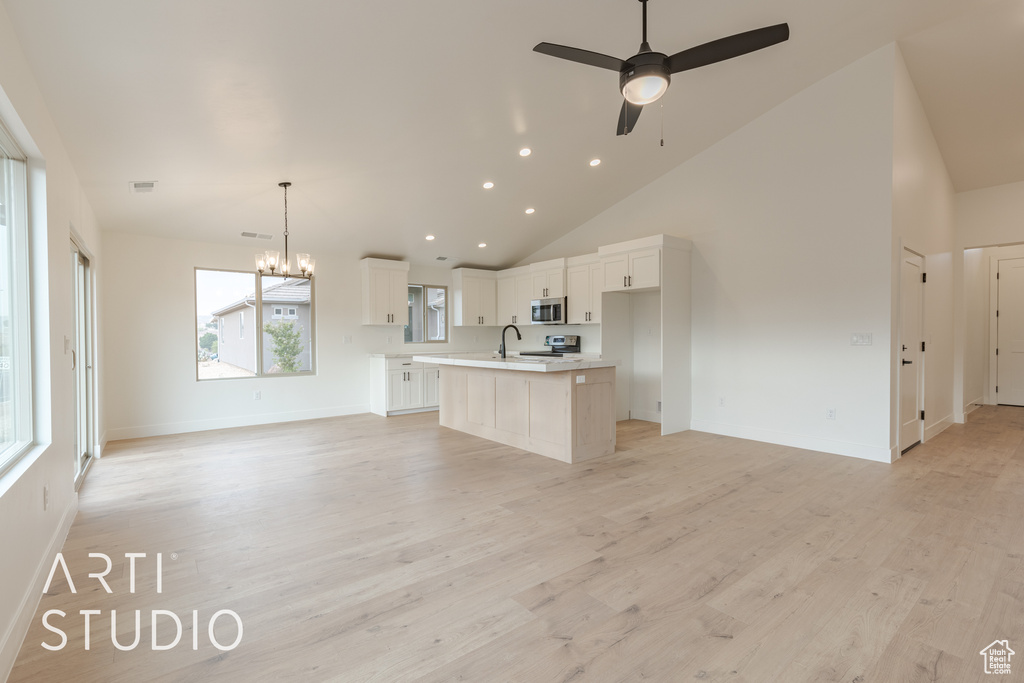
[{"x": 388, "y": 116}]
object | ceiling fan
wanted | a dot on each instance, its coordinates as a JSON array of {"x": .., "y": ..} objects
[{"x": 645, "y": 76}]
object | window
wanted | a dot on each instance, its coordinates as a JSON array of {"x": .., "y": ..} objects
[
  {"x": 282, "y": 345},
  {"x": 15, "y": 339},
  {"x": 428, "y": 314},
  {"x": 287, "y": 345}
]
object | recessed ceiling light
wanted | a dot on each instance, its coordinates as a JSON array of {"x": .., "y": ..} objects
[
  {"x": 488, "y": 185},
  {"x": 482, "y": 245},
  {"x": 430, "y": 237},
  {"x": 529, "y": 211},
  {"x": 525, "y": 152},
  {"x": 595, "y": 162}
]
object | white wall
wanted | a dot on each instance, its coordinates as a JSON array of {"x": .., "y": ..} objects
[
  {"x": 922, "y": 221},
  {"x": 30, "y": 536},
  {"x": 791, "y": 222},
  {"x": 984, "y": 218},
  {"x": 645, "y": 391},
  {"x": 976, "y": 297}
]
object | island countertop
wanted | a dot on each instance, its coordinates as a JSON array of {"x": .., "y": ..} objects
[{"x": 525, "y": 363}]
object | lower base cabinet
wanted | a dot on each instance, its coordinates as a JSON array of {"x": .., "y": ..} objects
[{"x": 402, "y": 385}]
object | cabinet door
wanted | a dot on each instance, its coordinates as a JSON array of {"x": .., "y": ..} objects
[
  {"x": 645, "y": 268},
  {"x": 507, "y": 304},
  {"x": 540, "y": 283},
  {"x": 431, "y": 395},
  {"x": 488, "y": 301},
  {"x": 596, "y": 287},
  {"x": 556, "y": 282},
  {"x": 399, "y": 303},
  {"x": 470, "y": 301},
  {"x": 524, "y": 296},
  {"x": 578, "y": 278},
  {"x": 397, "y": 394},
  {"x": 616, "y": 272},
  {"x": 380, "y": 296},
  {"x": 413, "y": 391}
]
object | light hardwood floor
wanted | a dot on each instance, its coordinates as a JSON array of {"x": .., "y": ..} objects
[{"x": 389, "y": 549}]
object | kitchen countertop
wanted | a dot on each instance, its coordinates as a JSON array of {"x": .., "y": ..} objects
[{"x": 527, "y": 363}]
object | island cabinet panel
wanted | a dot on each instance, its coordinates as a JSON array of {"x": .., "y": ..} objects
[
  {"x": 569, "y": 416},
  {"x": 481, "y": 409}
]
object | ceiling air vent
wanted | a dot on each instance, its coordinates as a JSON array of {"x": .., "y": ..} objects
[
  {"x": 257, "y": 235},
  {"x": 142, "y": 186},
  {"x": 442, "y": 258}
]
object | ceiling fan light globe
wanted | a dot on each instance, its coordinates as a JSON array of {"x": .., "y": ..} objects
[{"x": 644, "y": 89}]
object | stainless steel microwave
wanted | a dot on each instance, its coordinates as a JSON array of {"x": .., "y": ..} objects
[{"x": 548, "y": 311}]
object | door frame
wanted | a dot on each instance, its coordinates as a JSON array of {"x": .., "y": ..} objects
[
  {"x": 92, "y": 441},
  {"x": 898, "y": 356}
]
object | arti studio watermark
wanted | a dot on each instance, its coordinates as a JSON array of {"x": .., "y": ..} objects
[{"x": 165, "y": 625}]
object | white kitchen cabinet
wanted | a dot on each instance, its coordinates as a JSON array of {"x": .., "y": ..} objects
[
  {"x": 475, "y": 296},
  {"x": 584, "y": 285},
  {"x": 403, "y": 385},
  {"x": 385, "y": 295},
  {"x": 631, "y": 269},
  {"x": 515, "y": 291},
  {"x": 548, "y": 279},
  {"x": 431, "y": 386}
]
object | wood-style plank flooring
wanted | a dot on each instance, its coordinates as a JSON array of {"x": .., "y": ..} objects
[{"x": 371, "y": 549}]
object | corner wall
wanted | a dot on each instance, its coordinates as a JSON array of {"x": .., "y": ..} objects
[{"x": 791, "y": 222}]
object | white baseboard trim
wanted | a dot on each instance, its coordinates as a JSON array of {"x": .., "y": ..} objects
[
  {"x": 811, "y": 443},
  {"x": 15, "y": 636},
  {"x": 937, "y": 428},
  {"x": 971, "y": 406},
  {"x": 141, "y": 432},
  {"x": 645, "y": 415}
]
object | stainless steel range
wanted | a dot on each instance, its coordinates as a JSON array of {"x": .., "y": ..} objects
[{"x": 557, "y": 345}]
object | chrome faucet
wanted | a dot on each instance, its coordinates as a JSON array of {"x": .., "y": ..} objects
[{"x": 501, "y": 349}]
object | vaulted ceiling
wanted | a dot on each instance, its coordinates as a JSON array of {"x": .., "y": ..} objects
[{"x": 389, "y": 116}]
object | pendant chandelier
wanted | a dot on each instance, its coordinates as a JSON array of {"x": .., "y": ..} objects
[{"x": 271, "y": 260}]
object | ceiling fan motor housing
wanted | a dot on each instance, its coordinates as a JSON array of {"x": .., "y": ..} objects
[{"x": 643, "y": 65}]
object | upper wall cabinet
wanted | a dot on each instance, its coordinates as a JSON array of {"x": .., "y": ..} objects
[
  {"x": 385, "y": 292},
  {"x": 584, "y": 278},
  {"x": 515, "y": 291},
  {"x": 632, "y": 265},
  {"x": 474, "y": 297},
  {"x": 548, "y": 279}
]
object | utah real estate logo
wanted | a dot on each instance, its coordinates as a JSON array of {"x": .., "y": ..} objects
[{"x": 997, "y": 657}]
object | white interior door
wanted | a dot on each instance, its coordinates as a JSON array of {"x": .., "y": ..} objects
[
  {"x": 911, "y": 307},
  {"x": 1010, "y": 333}
]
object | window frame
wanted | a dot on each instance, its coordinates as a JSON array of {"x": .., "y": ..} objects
[
  {"x": 16, "y": 175},
  {"x": 258, "y": 323},
  {"x": 447, "y": 314}
]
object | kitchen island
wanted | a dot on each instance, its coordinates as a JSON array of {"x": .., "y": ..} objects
[{"x": 563, "y": 408}]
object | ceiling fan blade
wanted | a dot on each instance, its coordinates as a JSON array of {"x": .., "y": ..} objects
[
  {"x": 727, "y": 48},
  {"x": 627, "y": 117},
  {"x": 574, "y": 54}
]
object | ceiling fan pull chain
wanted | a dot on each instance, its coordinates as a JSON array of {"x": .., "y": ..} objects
[{"x": 662, "y": 124}]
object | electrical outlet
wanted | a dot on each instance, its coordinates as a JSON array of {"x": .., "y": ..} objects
[
  {"x": 581, "y": 379},
  {"x": 256, "y": 395},
  {"x": 389, "y": 339},
  {"x": 721, "y": 401},
  {"x": 46, "y": 496},
  {"x": 830, "y": 413},
  {"x": 347, "y": 339}
]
